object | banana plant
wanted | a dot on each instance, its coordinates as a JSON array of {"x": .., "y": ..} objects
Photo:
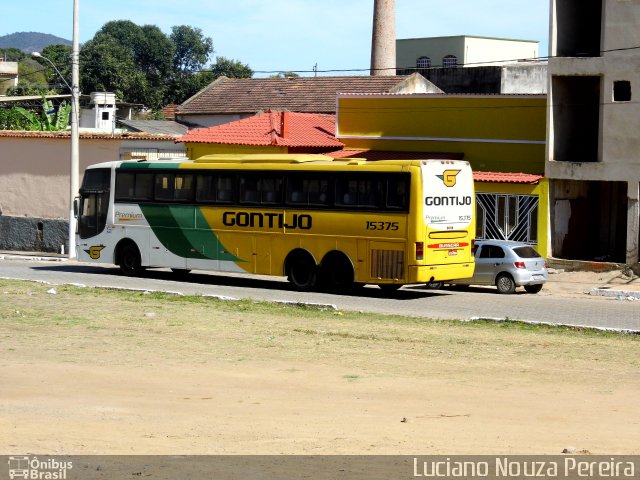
[{"x": 49, "y": 119}]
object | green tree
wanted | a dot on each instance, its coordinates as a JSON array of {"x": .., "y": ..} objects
[
  {"x": 108, "y": 66},
  {"x": 192, "y": 49},
  {"x": 32, "y": 79},
  {"x": 285, "y": 75},
  {"x": 60, "y": 56},
  {"x": 230, "y": 69},
  {"x": 141, "y": 64},
  {"x": 12, "y": 54}
]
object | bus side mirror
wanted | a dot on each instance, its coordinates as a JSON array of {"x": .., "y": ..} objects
[{"x": 76, "y": 206}]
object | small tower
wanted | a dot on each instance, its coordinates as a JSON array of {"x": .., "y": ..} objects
[
  {"x": 383, "y": 38},
  {"x": 102, "y": 114}
]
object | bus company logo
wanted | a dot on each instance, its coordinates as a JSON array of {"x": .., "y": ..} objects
[
  {"x": 448, "y": 177},
  {"x": 94, "y": 251},
  {"x": 128, "y": 216},
  {"x": 33, "y": 468}
]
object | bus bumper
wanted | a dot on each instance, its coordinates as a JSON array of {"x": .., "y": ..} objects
[{"x": 439, "y": 273}]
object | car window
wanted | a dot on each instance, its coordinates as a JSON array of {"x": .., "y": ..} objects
[
  {"x": 491, "y": 251},
  {"x": 526, "y": 252}
]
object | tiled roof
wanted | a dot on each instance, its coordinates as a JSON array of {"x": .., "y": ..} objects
[
  {"x": 505, "y": 177},
  {"x": 167, "y": 127},
  {"x": 298, "y": 94},
  {"x": 65, "y": 135},
  {"x": 287, "y": 129}
]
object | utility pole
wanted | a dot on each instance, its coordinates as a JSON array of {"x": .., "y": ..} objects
[
  {"x": 74, "y": 172},
  {"x": 383, "y": 38}
]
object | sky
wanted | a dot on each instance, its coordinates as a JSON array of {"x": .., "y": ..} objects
[{"x": 289, "y": 35}]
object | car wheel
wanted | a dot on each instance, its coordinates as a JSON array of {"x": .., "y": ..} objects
[
  {"x": 533, "y": 288},
  {"x": 505, "y": 284}
]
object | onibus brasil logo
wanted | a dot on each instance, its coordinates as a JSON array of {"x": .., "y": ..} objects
[
  {"x": 33, "y": 468},
  {"x": 448, "y": 177}
]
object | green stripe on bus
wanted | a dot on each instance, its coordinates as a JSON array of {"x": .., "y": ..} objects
[
  {"x": 146, "y": 165},
  {"x": 174, "y": 226}
]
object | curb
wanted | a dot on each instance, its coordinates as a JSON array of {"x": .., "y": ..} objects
[
  {"x": 619, "y": 294},
  {"x": 34, "y": 258}
]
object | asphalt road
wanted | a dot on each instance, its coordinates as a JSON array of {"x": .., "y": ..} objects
[{"x": 415, "y": 301}]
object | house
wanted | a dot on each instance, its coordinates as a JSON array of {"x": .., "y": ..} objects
[
  {"x": 593, "y": 148},
  {"x": 34, "y": 180},
  {"x": 269, "y": 132},
  {"x": 8, "y": 76},
  {"x": 229, "y": 99}
]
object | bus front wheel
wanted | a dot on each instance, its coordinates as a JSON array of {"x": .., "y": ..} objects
[
  {"x": 302, "y": 271},
  {"x": 129, "y": 261}
]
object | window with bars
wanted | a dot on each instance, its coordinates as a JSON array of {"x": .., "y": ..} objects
[
  {"x": 450, "y": 61},
  {"x": 507, "y": 217},
  {"x": 423, "y": 62}
]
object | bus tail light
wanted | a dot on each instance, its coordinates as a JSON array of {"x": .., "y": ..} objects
[
  {"x": 419, "y": 251},
  {"x": 519, "y": 264}
]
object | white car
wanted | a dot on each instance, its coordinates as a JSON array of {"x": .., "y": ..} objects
[{"x": 506, "y": 265}]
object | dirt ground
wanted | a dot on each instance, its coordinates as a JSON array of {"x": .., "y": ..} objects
[{"x": 85, "y": 371}]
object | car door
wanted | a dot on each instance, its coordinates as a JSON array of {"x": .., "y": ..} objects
[{"x": 488, "y": 260}]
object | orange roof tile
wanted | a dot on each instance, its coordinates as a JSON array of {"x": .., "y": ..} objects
[
  {"x": 506, "y": 177},
  {"x": 287, "y": 129}
]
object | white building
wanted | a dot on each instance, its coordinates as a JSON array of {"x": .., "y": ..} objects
[{"x": 462, "y": 50}]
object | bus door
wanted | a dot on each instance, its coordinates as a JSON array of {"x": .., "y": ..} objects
[{"x": 94, "y": 202}]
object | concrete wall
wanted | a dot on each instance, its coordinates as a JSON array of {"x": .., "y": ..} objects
[
  {"x": 34, "y": 186},
  {"x": 528, "y": 78},
  {"x": 590, "y": 40}
]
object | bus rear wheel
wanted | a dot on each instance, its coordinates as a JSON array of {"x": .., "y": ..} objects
[
  {"x": 337, "y": 274},
  {"x": 302, "y": 271},
  {"x": 129, "y": 260}
]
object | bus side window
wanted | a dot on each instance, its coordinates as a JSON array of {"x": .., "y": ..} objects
[
  {"x": 346, "y": 192},
  {"x": 125, "y": 185},
  {"x": 183, "y": 187},
  {"x": 397, "y": 194},
  {"x": 163, "y": 187},
  {"x": 224, "y": 186},
  {"x": 144, "y": 186}
]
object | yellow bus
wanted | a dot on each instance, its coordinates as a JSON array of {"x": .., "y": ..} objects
[{"x": 322, "y": 223}]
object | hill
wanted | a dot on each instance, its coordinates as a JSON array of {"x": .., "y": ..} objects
[{"x": 30, "y": 41}]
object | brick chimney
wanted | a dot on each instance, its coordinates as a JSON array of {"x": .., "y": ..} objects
[{"x": 383, "y": 38}]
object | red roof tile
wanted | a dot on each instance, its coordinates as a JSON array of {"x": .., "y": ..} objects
[
  {"x": 298, "y": 94},
  {"x": 287, "y": 129},
  {"x": 505, "y": 177}
]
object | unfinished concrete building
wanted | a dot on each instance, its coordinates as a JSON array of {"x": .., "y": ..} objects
[{"x": 593, "y": 148}]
